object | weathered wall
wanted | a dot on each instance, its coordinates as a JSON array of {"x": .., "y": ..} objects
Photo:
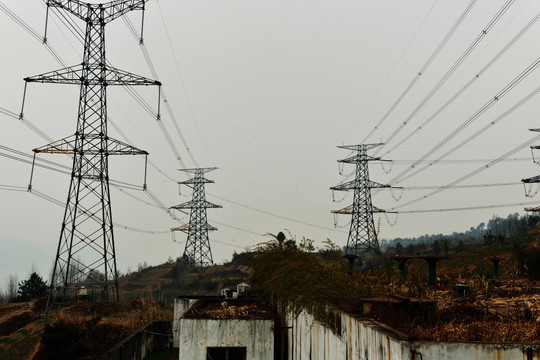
[
  {"x": 142, "y": 343},
  {"x": 367, "y": 340},
  {"x": 198, "y": 334},
  {"x": 181, "y": 306}
]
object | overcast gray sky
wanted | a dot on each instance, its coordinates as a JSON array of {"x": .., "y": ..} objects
[{"x": 265, "y": 91}]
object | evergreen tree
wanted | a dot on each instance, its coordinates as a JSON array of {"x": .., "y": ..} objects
[{"x": 32, "y": 288}]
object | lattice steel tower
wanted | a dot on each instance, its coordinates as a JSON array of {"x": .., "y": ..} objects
[
  {"x": 86, "y": 251},
  {"x": 534, "y": 179},
  {"x": 362, "y": 233},
  {"x": 197, "y": 251}
]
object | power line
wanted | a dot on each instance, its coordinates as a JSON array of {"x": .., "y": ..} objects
[
  {"x": 182, "y": 82},
  {"x": 471, "y": 119},
  {"x": 376, "y": 94},
  {"x": 470, "y": 82},
  {"x": 275, "y": 215},
  {"x": 452, "y": 69},
  {"x": 426, "y": 65},
  {"x": 163, "y": 96},
  {"x": 465, "y": 208},
  {"x": 62, "y": 204},
  {"x": 470, "y": 174}
]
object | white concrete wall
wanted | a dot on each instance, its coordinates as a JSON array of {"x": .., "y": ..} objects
[
  {"x": 181, "y": 306},
  {"x": 366, "y": 340},
  {"x": 198, "y": 334}
]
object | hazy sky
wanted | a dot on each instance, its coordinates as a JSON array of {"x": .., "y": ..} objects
[{"x": 266, "y": 91}]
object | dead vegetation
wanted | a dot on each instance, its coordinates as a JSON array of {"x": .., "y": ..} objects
[
  {"x": 492, "y": 311},
  {"x": 505, "y": 309},
  {"x": 230, "y": 310},
  {"x": 83, "y": 330}
]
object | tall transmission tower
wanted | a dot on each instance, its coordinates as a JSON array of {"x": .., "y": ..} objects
[
  {"x": 534, "y": 179},
  {"x": 362, "y": 233},
  {"x": 86, "y": 250},
  {"x": 197, "y": 251}
]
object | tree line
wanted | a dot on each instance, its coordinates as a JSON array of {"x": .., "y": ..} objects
[
  {"x": 497, "y": 229},
  {"x": 25, "y": 290}
]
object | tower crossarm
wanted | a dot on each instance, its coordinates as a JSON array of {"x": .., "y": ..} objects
[
  {"x": 359, "y": 158},
  {"x": 349, "y": 210},
  {"x": 351, "y": 185},
  {"x": 360, "y": 147},
  {"x": 195, "y": 205},
  {"x": 196, "y": 180},
  {"x": 67, "y": 145},
  {"x": 187, "y": 227},
  {"x": 74, "y": 75},
  {"x": 111, "y": 10},
  {"x": 534, "y": 179},
  {"x": 181, "y": 228}
]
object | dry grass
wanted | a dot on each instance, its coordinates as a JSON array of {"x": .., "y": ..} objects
[
  {"x": 131, "y": 315},
  {"x": 493, "y": 311}
]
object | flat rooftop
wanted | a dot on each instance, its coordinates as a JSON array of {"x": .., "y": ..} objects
[{"x": 221, "y": 308}]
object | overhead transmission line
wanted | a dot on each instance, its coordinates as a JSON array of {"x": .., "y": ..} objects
[
  {"x": 423, "y": 69},
  {"x": 154, "y": 74},
  {"x": 533, "y": 66},
  {"x": 465, "y": 208},
  {"x": 470, "y": 82},
  {"x": 376, "y": 94},
  {"x": 162, "y": 93},
  {"x": 470, "y": 186},
  {"x": 54, "y": 166},
  {"x": 450, "y": 72},
  {"x": 275, "y": 215},
  {"x": 30, "y": 31},
  {"x": 182, "y": 82},
  {"x": 147, "y": 108},
  {"x": 60, "y": 203},
  {"x": 470, "y": 174},
  {"x": 26, "y": 122},
  {"x": 79, "y": 35},
  {"x": 476, "y": 134}
]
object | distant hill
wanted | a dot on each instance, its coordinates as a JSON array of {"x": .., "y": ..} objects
[{"x": 166, "y": 281}]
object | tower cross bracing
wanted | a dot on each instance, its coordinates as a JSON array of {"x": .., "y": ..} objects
[
  {"x": 197, "y": 251},
  {"x": 362, "y": 233},
  {"x": 86, "y": 254}
]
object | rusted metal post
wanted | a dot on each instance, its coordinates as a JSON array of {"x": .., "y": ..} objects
[{"x": 495, "y": 260}]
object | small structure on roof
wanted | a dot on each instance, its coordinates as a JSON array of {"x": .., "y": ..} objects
[{"x": 233, "y": 292}]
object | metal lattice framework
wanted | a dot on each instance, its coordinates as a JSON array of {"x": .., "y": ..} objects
[
  {"x": 362, "y": 233},
  {"x": 86, "y": 250},
  {"x": 197, "y": 251},
  {"x": 534, "y": 179}
]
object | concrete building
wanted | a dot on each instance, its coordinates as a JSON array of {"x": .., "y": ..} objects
[{"x": 217, "y": 328}]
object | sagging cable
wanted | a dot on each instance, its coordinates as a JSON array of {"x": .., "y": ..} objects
[
  {"x": 529, "y": 190},
  {"x": 400, "y": 194},
  {"x": 391, "y": 223},
  {"x": 391, "y": 166}
]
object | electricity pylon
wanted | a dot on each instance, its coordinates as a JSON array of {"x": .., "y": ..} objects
[
  {"x": 534, "y": 179},
  {"x": 197, "y": 251},
  {"x": 362, "y": 233},
  {"x": 86, "y": 252}
]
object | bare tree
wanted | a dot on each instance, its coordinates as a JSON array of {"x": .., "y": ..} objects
[
  {"x": 3, "y": 297},
  {"x": 12, "y": 287}
]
